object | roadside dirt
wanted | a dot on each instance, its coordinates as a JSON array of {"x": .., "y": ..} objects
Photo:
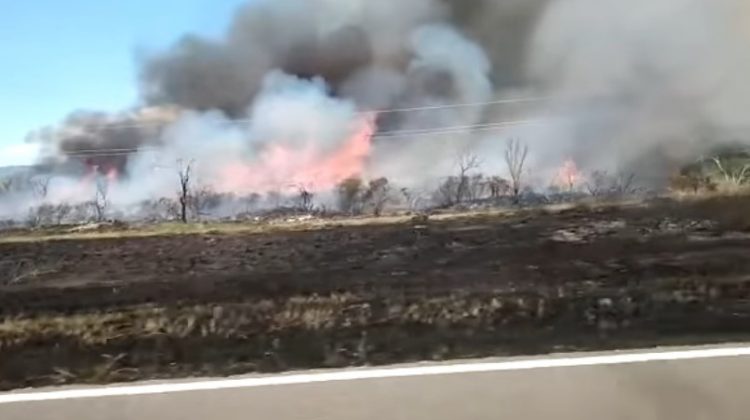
[{"x": 97, "y": 311}]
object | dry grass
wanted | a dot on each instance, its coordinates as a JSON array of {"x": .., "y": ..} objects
[
  {"x": 456, "y": 285},
  {"x": 94, "y": 232},
  {"x": 731, "y": 211},
  {"x": 237, "y": 320},
  {"x": 215, "y": 228},
  {"x": 171, "y": 229},
  {"x": 730, "y": 208}
]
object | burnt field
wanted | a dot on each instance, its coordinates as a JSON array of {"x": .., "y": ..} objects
[{"x": 124, "y": 306}]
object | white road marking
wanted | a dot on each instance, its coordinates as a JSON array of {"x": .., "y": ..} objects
[{"x": 363, "y": 374}]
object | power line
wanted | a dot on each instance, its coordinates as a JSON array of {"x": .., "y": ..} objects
[
  {"x": 460, "y": 105},
  {"x": 500, "y": 125},
  {"x": 99, "y": 127},
  {"x": 456, "y": 129}
]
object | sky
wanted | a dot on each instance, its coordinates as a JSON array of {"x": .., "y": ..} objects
[{"x": 57, "y": 56}]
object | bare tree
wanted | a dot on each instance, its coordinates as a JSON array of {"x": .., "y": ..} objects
[
  {"x": 184, "y": 172},
  {"x": 447, "y": 191},
  {"x": 40, "y": 185},
  {"x": 515, "y": 158},
  {"x": 305, "y": 199},
  {"x": 101, "y": 200},
  {"x": 466, "y": 163},
  {"x": 456, "y": 189}
]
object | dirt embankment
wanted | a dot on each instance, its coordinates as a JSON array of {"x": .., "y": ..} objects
[{"x": 118, "y": 309}]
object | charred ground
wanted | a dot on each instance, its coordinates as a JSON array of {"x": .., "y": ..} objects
[{"x": 99, "y": 309}]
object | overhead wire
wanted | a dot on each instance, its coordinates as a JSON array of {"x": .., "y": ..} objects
[
  {"x": 500, "y": 125},
  {"x": 104, "y": 126}
]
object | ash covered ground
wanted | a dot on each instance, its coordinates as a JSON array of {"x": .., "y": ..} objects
[{"x": 111, "y": 306}]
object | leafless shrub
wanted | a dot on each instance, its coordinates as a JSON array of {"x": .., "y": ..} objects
[
  {"x": 457, "y": 189},
  {"x": 691, "y": 183},
  {"x": 515, "y": 158},
  {"x": 447, "y": 191},
  {"x": 163, "y": 209},
  {"x": 349, "y": 193},
  {"x": 378, "y": 194},
  {"x": 414, "y": 198},
  {"x": 202, "y": 200},
  {"x": 48, "y": 214},
  {"x": 305, "y": 199},
  {"x": 81, "y": 212},
  {"x": 498, "y": 186},
  {"x": 61, "y": 212},
  {"x": 38, "y": 216},
  {"x": 477, "y": 187},
  {"x": 602, "y": 184}
]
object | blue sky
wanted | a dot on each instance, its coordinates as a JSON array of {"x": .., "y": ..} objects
[{"x": 57, "y": 56}]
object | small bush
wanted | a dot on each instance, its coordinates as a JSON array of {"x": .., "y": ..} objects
[{"x": 349, "y": 193}]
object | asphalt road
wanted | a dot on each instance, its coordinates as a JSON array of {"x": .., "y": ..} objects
[{"x": 689, "y": 385}]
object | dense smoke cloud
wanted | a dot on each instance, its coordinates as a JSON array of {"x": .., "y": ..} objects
[
  {"x": 294, "y": 135},
  {"x": 621, "y": 81},
  {"x": 665, "y": 80},
  {"x": 376, "y": 54},
  {"x": 332, "y": 39}
]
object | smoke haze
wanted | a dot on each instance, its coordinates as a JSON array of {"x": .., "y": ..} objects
[
  {"x": 286, "y": 97},
  {"x": 642, "y": 78}
]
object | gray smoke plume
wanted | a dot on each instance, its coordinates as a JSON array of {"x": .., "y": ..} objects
[
  {"x": 331, "y": 39},
  {"x": 627, "y": 80},
  {"x": 386, "y": 54},
  {"x": 281, "y": 144},
  {"x": 641, "y": 84}
]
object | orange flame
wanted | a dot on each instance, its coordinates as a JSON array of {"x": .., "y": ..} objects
[
  {"x": 568, "y": 176},
  {"x": 281, "y": 167}
]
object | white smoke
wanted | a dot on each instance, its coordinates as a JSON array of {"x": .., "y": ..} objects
[
  {"x": 291, "y": 116},
  {"x": 628, "y": 80},
  {"x": 640, "y": 78},
  {"x": 441, "y": 55}
]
